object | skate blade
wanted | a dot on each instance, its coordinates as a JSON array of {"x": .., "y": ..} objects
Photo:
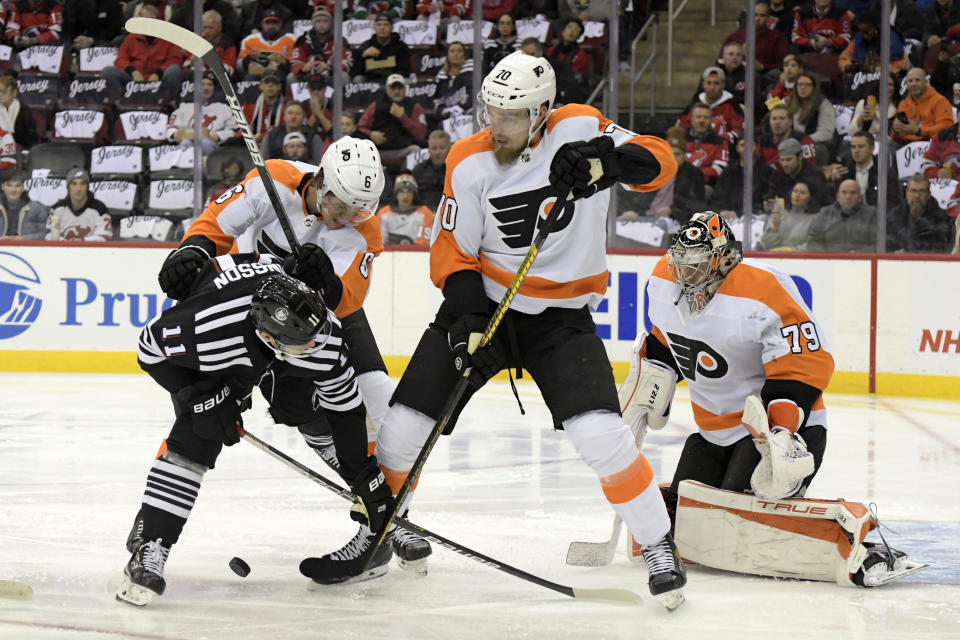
[
  {"x": 909, "y": 568},
  {"x": 418, "y": 566},
  {"x": 369, "y": 574},
  {"x": 672, "y": 599},
  {"x": 130, "y": 593}
]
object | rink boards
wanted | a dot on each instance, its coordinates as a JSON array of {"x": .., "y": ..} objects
[{"x": 893, "y": 323}]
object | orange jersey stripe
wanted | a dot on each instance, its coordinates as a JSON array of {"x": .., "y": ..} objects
[
  {"x": 709, "y": 421},
  {"x": 814, "y": 367},
  {"x": 206, "y": 224},
  {"x": 395, "y": 479},
  {"x": 536, "y": 287},
  {"x": 626, "y": 485}
]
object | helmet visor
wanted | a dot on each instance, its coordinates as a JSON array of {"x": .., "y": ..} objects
[
  {"x": 341, "y": 212},
  {"x": 504, "y": 121}
]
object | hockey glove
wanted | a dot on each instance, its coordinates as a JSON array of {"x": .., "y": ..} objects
[
  {"x": 485, "y": 362},
  {"x": 181, "y": 267},
  {"x": 215, "y": 410},
  {"x": 374, "y": 499},
  {"x": 584, "y": 168},
  {"x": 314, "y": 268}
]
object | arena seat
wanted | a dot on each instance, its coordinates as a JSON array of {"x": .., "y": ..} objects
[{"x": 56, "y": 157}]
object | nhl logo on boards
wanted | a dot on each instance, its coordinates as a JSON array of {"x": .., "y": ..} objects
[{"x": 281, "y": 314}]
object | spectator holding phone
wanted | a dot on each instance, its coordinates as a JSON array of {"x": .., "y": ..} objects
[{"x": 922, "y": 113}]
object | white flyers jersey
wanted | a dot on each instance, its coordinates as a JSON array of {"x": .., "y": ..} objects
[
  {"x": 490, "y": 212},
  {"x": 756, "y": 327},
  {"x": 242, "y": 219}
]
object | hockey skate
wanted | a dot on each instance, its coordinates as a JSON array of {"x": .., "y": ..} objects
[
  {"x": 885, "y": 564},
  {"x": 412, "y": 550},
  {"x": 667, "y": 575},
  {"x": 346, "y": 564},
  {"x": 143, "y": 575},
  {"x": 135, "y": 537}
]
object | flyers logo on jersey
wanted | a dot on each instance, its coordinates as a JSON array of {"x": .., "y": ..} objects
[
  {"x": 696, "y": 357},
  {"x": 521, "y": 214}
]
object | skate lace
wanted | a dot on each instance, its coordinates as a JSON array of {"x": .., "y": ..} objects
[
  {"x": 874, "y": 513},
  {"x": 404, "y": 537},
  {"x": 154, "y": 556},
  {"x": 356, "y": 547},
  {"x": 659, "y": 557}
]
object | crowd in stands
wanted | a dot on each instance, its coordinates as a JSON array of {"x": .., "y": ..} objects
[
  {"x": 816, "y": 159},
  {"x": 100, "y": 123}
]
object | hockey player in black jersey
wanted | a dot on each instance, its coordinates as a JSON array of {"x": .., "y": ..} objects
[{"x": 245, "y": 323}]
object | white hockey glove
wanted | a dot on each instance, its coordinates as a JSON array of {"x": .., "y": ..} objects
[
  {"x": 784, "y": 459},
  {"x": 648, "y": 390}
]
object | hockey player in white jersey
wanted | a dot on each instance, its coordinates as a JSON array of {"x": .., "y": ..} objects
[
  {"x": 756, "y": 362},
  {"x": 500, "y": 182},
  {"x": 331, "y": 211}
]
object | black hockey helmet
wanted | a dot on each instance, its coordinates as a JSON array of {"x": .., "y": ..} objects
[
  {"x": 288, "y": 311},
  {"x": 701, "y": 255}
]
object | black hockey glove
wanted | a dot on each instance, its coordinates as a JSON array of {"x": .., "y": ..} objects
[
  {"x": 215, "y": 410},
  {"x": 315, "y": 269},
  {"x": 181, "y": 267},
  {"x": 374, "y": 498},
  {"x": 486, "y": 361},
  {"x": 570, "y": 170}
]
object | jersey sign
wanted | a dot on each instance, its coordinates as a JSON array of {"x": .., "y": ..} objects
[
  {"x": 521, "y": 214},
  {"x": 694, "y": 356}
]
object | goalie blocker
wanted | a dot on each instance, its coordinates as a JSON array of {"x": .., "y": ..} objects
[{"x": 810, "y": 539}]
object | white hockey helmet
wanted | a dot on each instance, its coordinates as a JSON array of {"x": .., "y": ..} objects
[
  {"x": 352, "y": 171},
  {"x": 519, "y": 81}
]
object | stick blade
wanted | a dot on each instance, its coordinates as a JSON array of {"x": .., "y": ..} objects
[
  {"x": 616, "y": 596},
  {"x": 179, "y": 36},
  {"x": 15, "y": 590},
  {"x": 591, "y": 554}
]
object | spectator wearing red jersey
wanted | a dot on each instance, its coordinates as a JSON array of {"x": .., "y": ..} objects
[
  {"x": 777, "y": 128},
  {"x": 706, "y": 149},
  {"x": 574, "y": 85},
  {"x": 771, "y": 45},
  {"x": 144, "y": 58},
  {"x": 269, "y": 49},
  {"x": 31, "y": 22},
  {"x": 821, "y": 28},
  {"x": 313, "y": 54},
  {"x": 394, "y": 122},
  {"x": 225, "y": 46},
  {"x": 784, "y": 87},
  {"x": 17, "y": 127},
  {"x": 942, "y": 157},
  {"x": 218, "y": 123},
  {"x": 493, "y": 9},
  {"x": 448, "y": 9},
  {"x": 925, "y": 112},
  {"x": 727, "y": 118}
]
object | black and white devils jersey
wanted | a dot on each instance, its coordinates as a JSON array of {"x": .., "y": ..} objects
[{"x": 210, "y": 334}]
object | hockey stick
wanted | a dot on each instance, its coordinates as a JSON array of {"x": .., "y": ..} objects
[
  {"x": 600, "y": 554},
  {"x": 463, "y": 382},
  {"x": 620, "y": 596},
  {"x": 15, "y": 590},
  {"x": 200, "y": 48}
]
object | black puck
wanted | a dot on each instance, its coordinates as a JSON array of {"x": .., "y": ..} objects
[{"x": 240, "y": 567}]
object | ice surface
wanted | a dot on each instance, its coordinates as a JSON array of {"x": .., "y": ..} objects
[{"x": 75, "y": 450}]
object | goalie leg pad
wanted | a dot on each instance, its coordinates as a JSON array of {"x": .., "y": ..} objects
[{"x": 793, "y": 538}]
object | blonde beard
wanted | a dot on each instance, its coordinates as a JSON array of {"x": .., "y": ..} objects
[{"x": 505, "y": 155}]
